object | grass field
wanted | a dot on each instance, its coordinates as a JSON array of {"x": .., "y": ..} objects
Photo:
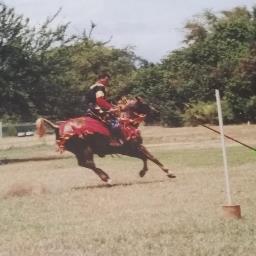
[{"x": 57, "y": 208}]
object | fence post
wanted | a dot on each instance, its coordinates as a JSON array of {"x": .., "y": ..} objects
[
  {"x": 230, "y": 210},
  {"x": 1, "y": 130}
]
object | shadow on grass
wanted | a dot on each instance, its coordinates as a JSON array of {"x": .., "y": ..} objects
[
  {"x": 34, "y": 159},
  {"x": 125, "y": 184}
]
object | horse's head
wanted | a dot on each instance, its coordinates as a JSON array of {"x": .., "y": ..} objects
[
  {"x": 138, "y": 106},
  {"x": 141, "y": 107}
]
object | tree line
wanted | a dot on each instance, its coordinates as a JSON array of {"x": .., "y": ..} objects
[{"x": 46, "y": 71}]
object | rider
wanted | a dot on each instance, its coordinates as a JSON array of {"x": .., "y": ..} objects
[{"x": 96, "y": 97}]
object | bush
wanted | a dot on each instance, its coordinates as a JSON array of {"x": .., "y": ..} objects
[
  {"x": 170, "y": 116},
  {"x": 9, "y": 130},
  {"x": 201, "y": 112},
  {"x": 12, "y": 129}
]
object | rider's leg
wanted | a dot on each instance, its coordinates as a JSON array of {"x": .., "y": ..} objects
[{"x": 116, "y": 132}]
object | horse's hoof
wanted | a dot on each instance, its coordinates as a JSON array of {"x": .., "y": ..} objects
[
  {"x": 142, "y": 173},
  {"x": 171, "y": 175},
  {"x": 109, "y": 182},
  {"x": 104, "y": 177}
]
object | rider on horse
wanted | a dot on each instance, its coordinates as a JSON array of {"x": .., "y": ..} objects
[{"x": 98, "y": 104}]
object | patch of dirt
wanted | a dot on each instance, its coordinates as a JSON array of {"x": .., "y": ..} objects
[{"x": 25, "y": 189}]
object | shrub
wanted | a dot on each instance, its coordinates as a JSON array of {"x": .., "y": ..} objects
[{"x": 201, "y": 112}]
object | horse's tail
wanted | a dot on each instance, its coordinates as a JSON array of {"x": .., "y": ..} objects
[{"x": 40, "y": 126}]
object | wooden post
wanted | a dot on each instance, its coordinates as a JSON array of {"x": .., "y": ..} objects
[
  {"x": 223, "y": 148},
  {"x": 1, "y": 130},
  {"x": 230, "y": 211}
]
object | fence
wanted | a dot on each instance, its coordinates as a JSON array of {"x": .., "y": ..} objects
[
  {"x": 22, "y": 135},
  {"x": 19, "y": 130}
]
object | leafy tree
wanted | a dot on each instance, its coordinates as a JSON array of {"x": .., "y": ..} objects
[
  {"x": 26, "y": 66},
  {"x": 45, "y": 72},
  {"x": 219, "y": 55}
]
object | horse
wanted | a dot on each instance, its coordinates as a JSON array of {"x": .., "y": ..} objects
[{"x": 85, "y": 137}]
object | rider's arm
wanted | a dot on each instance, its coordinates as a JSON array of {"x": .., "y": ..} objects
[{"x": 101, "y": 101}]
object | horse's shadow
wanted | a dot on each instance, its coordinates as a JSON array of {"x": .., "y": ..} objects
[
  {"x": 5, "y": 161},
  {"x": 126, "y": 184}
]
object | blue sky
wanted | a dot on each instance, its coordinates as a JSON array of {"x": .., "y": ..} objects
[{"x": 153, "y": 27}]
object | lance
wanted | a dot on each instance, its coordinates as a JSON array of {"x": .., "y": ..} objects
[
  {"x": 210, "y": 128},
  {"x": 205, "y": 126}
]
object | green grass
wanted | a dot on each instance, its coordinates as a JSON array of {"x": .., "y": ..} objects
[
  {"x": 26, "y": 152},
  {"x": 209, "y": 157},
  {"x": 236, "y": 155}
]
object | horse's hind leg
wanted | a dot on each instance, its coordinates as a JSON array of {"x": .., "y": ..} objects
[
  {"x": 102, "y": 175},
  {"x": 148, "y": 155},
  {"x": 145, "y": 167},
  {"x": 85, "y": 159}
]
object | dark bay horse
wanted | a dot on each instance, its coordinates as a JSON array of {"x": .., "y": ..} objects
[{"x": 85, "y": 143}]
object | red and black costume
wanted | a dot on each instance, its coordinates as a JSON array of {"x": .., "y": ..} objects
[
  {"x": 97, "y": 101},
  {"x": 96, "y": 96}
]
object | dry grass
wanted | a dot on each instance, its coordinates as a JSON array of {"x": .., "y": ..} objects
[{"x": 67, "y": 211}]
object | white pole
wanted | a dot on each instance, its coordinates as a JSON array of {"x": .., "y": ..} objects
[
  {"x": 223, "y": 147},
  {"x": 1, "y": 130}
]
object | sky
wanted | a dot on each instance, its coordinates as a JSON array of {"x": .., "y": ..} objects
[{"x": 153, "y": 27}]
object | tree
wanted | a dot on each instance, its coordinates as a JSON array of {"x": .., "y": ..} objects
[
  {"x": 218, "y": 55},
  {"x": 26, "y": 64}
]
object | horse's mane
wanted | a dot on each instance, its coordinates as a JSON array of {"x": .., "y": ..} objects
[
  {"x": 128, "y": 104},
  {"x": 128, "y": 111}
]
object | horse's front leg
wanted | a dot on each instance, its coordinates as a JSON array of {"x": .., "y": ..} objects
[
  {"x": 149, "y": 156},
  {"x": 132, "y": 151}
]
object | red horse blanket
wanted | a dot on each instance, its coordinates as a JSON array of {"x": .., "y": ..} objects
[{"x": 83, "y": 126}]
